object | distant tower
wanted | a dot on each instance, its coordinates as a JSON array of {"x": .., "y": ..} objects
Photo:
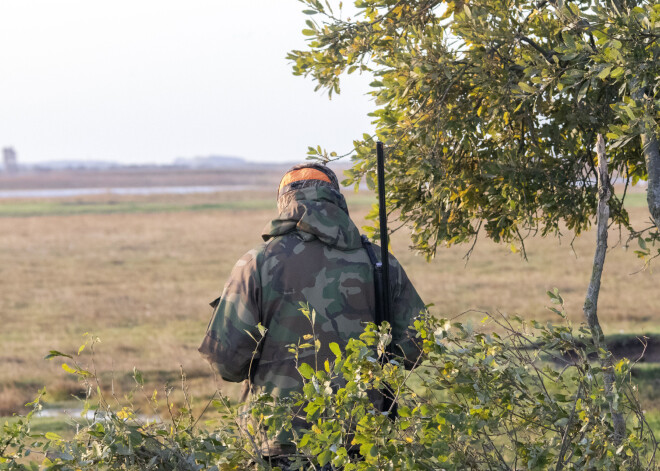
[{"x": 11, "y": 165}]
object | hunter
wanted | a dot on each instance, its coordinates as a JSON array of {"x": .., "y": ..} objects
[{"x": 312, "y": 253}]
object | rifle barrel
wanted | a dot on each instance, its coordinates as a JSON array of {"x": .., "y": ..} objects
[{"x": 384, "y": 253}]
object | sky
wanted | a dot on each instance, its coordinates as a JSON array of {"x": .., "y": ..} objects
[{"x": 147, "y": 81}]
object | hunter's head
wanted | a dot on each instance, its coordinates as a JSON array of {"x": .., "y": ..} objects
[{"x": 303, "y": 176}]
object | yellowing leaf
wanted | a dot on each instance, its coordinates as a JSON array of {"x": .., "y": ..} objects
[
  {"x": 53, "y": 436},
  {"x": 604, "y": 73}
]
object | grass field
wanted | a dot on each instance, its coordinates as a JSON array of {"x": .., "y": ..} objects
[{"x": 139, "y": 272}]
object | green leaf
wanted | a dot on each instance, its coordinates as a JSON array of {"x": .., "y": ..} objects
[
  {"x": 55, "y": 353},
  {"x": 324, "y": 457},
  {"x": 262, "y": 330},
  {"x": 306, "y": 371},
  {"x": 334, "y": 348},
  {"x": 368, "y": 450},
  {"x": 138, "y": 376},
  {"x": 304, "y": 441},
  {"x": 642, "y": 243},
  {"x": 617, "y": 72},
  {"x": 526, "y": 87},
  {"x": 583, "y": 91}
]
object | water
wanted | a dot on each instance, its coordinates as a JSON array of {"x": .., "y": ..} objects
[
  {"x": 76, "y": 414},
  {"x": 153, "y": 190},
  {"x": 63, "y": 413}
]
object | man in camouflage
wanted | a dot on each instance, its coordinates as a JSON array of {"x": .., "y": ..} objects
[{"x": 312, "y": 253}]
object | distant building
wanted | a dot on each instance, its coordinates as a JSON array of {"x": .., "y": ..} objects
[{"x": 9, "y": 159}]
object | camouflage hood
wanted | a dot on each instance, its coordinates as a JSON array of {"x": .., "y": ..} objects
[{"x": 317, "y": 212}]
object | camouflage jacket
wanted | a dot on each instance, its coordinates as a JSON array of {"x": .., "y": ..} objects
[{"x": 313, "y": 254}]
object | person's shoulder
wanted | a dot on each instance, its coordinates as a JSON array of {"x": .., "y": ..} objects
[
  {"x": 253, "y": 256},
  {"x": 274, "y": 246},
  {"x": 394, "y": 261}
]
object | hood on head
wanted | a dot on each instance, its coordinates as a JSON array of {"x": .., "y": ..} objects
[
  {"x": 316, "y": 211},
  {"x": 303, "y": 176}
]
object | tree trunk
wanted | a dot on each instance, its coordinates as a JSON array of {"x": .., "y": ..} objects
[
  {"x": 591, "y": 302},
  {"x": 651, "y": 149}
]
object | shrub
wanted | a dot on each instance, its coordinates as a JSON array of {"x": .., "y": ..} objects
[{"x": 519, "y": 397}]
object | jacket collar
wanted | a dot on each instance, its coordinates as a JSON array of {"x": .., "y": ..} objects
[{"x": 317, "y": 212}]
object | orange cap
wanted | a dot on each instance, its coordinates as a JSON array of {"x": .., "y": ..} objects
[{"x": 303, "y": 174}]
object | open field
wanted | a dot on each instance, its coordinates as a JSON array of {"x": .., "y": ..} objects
[
  {"x": 257, "y": 174},
  {"x": 139, "y": 272}
]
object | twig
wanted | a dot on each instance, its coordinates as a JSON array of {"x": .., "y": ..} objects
[{"x": 565, "y": 442}]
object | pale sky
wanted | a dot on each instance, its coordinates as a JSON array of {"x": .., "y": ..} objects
[{"x": 146, "y": 81}]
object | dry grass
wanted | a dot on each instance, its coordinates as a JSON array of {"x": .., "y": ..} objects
[
  {"x": 142, "y": 282},
  {"x": 497, "y": 279}
]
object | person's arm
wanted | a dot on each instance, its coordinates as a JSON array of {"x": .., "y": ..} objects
[
  {"x": 230, "y": 343},
  {"x": 405, "y": 306}
]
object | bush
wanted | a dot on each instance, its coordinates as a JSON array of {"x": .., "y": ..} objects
[{"x": 522, "y": 397}]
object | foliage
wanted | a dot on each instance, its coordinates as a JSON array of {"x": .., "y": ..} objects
[
  {"x": 520, "y": 397},
  {"x": 490, "y": 109},
  {"x": 113, "y": 433},
  {"x": 525, "y": 398}
]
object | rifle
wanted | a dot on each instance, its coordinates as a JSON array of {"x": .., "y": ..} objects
[
  {"x": 390, "y": 403},
  {"x": 384, "y": 242},
  {"x": 382, "y": 267},
  {"x": 382, "y": 274}
]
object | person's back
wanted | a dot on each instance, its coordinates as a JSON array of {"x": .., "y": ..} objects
[{"x": 312, "y": 255}]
